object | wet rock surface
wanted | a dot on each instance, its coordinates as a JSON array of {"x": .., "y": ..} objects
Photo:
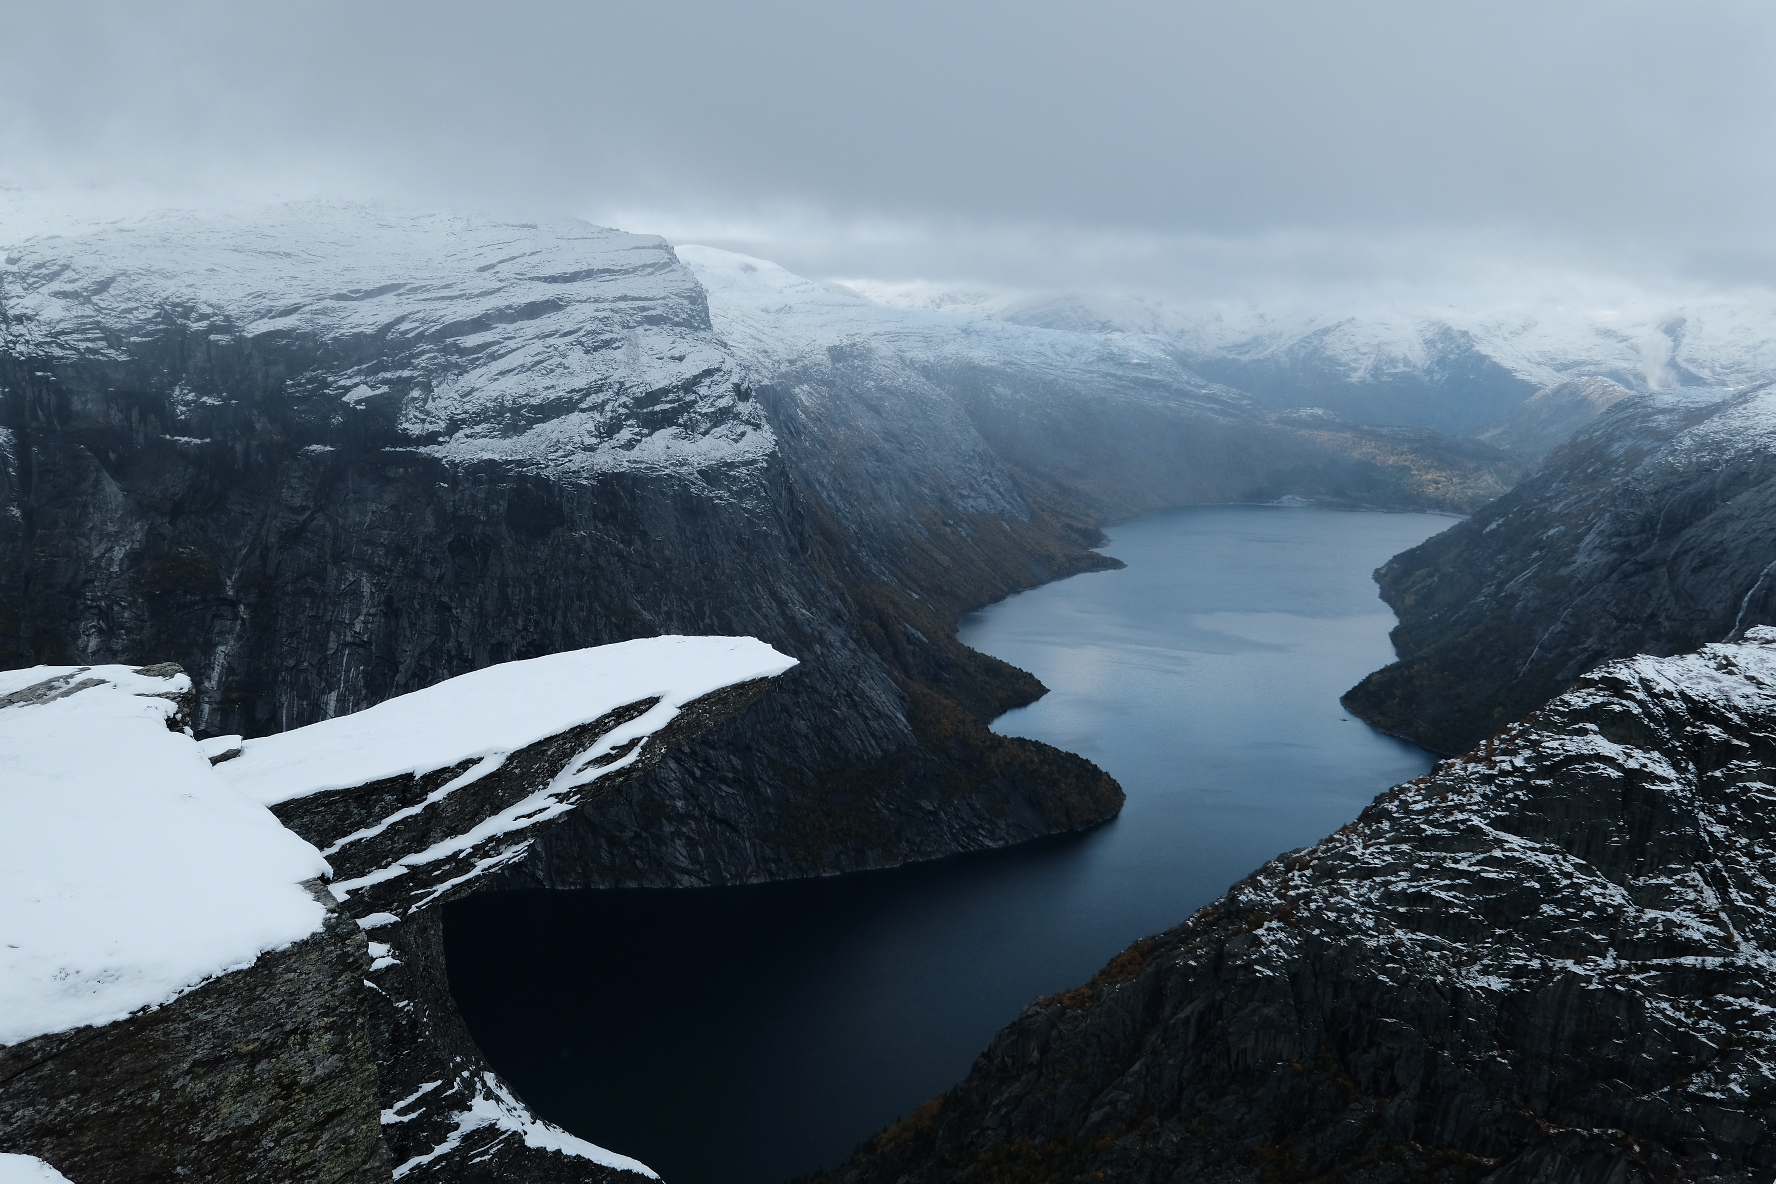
[{"x": 1548, "y": 960}]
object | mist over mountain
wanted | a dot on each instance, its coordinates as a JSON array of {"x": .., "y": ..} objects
[
  {"x": 1450, "y": 367},
  {"x": 454, "y": 449}
]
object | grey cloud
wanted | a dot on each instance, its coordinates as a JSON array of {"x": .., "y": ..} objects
[{"x": 925, "y": 135}]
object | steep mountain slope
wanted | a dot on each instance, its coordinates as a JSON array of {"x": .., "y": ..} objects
[
  {"x": 1549, "y": 960},
  {"x": 1106, "y": 424},
  {"x": 1653, "y": 531},
  {"x": 323, "y": 454},
  {"x": 946, "y": 461}
]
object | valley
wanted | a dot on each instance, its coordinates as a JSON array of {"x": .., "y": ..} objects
[
  {"x": 309, "y": 462},
  {"x": 1204, "y": 677}
]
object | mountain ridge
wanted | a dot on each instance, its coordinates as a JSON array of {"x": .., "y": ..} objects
[{"x": 324, "y": 453}]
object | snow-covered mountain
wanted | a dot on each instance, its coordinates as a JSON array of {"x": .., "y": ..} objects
[
  {"x": 773, "y": 317},
  {"x": 1117, "y": 417},
  {"x": 1455, "y": 369},
  {"x": 559, "y": 347},
  {"x": 323, "y": 453}
]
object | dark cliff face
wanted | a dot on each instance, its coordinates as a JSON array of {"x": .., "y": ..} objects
[
  {"x": 1653, "y": 532},
  {"x": 340, "y": 1057},
  {"x": 349, "y": 489},
  {"x": 1548, "y": 960},
  {"x": 328, "y": 455}
]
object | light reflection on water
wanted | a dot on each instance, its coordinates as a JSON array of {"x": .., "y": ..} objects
[{"x": 743, "y": 1035}]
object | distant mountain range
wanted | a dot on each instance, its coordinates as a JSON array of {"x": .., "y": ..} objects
[{"x": 1456, "y": 371}]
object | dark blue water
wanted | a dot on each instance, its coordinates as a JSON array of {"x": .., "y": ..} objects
[{"x": 745, "y": 1035}]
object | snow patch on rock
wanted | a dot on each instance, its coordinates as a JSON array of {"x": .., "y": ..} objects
[
  {"x": 488, "y": 714},
  {"x": 494, "y": 1105},
  {"x": 131, "y": 872},
  {"x": 27, "y": 1169}
]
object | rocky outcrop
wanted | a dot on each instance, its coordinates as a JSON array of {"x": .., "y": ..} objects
[
  {"x": 1653, "y": 531},
  {"x": 329, "y": 1057},
  {"x": 1548, "y": 960},
  {"x": 266, "y": 1074}
]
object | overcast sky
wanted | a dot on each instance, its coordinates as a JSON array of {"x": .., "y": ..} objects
[{"x": 1183, "y": 146}]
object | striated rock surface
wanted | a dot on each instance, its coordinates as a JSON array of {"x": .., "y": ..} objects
[
  {"x": 164, "y": 1020},
  {"x": 1653, "y": 531},
  {"x": 1548, "y": 960}
]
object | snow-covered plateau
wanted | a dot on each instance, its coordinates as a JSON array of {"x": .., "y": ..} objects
[
  {"x": 131, "y": 871},
  {"x": 186, "y": 977}
]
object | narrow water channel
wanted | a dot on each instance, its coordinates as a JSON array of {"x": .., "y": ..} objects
[{"x": 746, "y": 1035}]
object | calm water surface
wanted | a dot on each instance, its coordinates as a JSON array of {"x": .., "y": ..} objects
[{"x": 745, "y": 1035}]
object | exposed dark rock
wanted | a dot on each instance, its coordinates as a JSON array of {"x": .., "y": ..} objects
[
  {"x": 337, "y": 1059},
  {"x": 1653, "y": 531},
  {"x": 377, "y": 450},
  {"x": 446, "y": 1115},
  {"x": 1549, "y": 960},
  {"x": 267, "y": 1074}
]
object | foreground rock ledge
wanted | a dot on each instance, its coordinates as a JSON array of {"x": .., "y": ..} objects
[
  {"x": 1552, "y": 959},
  {"x": 257, "y": 1035}
]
